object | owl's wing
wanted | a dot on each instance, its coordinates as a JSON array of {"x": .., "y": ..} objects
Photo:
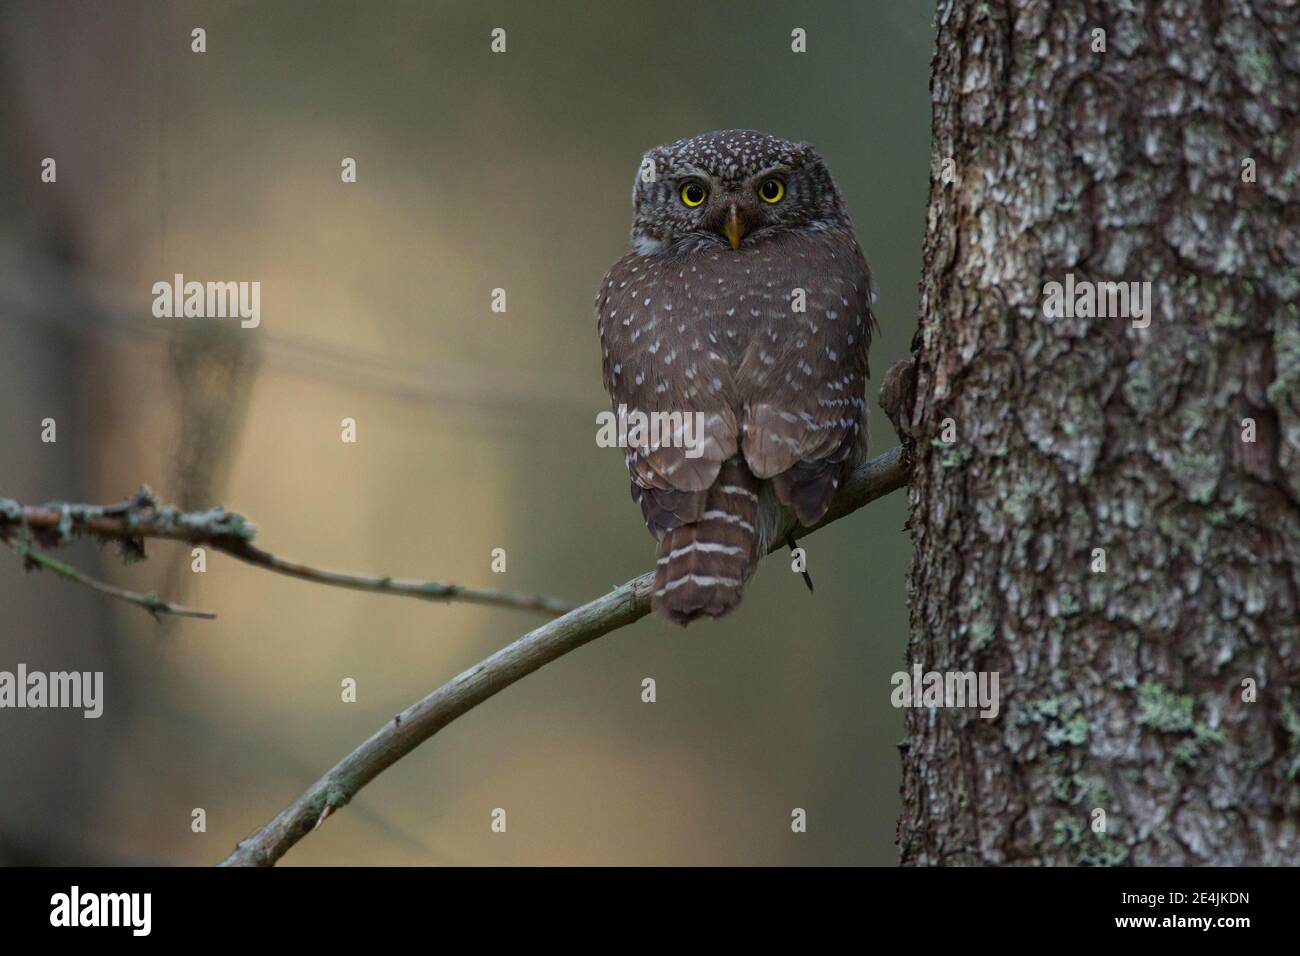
[
  {"x": 803, "y": 377},
  {"x": 656, "y": 361}
]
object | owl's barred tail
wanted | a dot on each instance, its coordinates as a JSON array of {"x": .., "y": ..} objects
[{"x": 703, "y": 565}]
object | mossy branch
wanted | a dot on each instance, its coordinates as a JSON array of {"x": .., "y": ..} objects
[{"x": 128, "y": 523}]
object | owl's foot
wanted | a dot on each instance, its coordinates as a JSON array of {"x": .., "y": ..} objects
[{"x": 807, "y": 578}]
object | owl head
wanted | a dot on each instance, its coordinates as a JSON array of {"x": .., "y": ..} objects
[{"x": 732, "y": 187}]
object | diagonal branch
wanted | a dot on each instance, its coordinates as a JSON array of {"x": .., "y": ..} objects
[
  {"x": 142, "y": 516},
  {"x": 397, "y": 738},
  {"x": 150, "y": 602}
]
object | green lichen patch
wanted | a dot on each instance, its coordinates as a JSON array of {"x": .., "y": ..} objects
[
  {"x": 1171, "y": 713},
  {"x": 1164, "y": 710},
  {"x": 1087, "y": 847},
  {"x": 1062, "y": 720}
]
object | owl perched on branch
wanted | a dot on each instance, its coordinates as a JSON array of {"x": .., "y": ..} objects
[{"x": 745, "y": 305}]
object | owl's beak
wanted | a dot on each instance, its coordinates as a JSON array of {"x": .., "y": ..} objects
[{"x": 734, "y": 229}]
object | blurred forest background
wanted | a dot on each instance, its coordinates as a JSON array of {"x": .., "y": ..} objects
[{"x": 476, "y": 430}]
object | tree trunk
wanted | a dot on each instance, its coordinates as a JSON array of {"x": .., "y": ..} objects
[{"x": 1162, "y": 689}]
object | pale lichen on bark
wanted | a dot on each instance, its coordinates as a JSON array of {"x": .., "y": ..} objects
[{"x": 1121, "y": 690}]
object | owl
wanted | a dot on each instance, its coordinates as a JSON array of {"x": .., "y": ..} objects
[{"x": 744, "y": 305}]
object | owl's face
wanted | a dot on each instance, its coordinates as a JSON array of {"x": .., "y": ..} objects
[{"x": 732, "y": 187}]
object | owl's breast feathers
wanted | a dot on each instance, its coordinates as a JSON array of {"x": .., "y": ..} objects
[{"x": 768, "y": 343}]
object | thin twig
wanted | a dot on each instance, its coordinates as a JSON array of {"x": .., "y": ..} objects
[
  {"x": 130, "y": 522},
  {"x": 150, "y": 602},
  {"x": 622, "y": 606},
  {"x": 425, "y": 590}
]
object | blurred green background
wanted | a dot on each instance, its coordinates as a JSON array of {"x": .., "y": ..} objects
[{"x": 476, "y": 430}]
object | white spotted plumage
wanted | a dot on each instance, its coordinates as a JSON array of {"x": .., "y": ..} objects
[{"x": 781, "y": 389}]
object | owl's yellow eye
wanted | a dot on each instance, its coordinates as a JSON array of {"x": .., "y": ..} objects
[
  {"x": 771, "y": 191},
  {"x": 693, "y": 194}
]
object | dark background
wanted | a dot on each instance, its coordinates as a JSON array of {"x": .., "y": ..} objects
[{"x": 477, "y": 430}]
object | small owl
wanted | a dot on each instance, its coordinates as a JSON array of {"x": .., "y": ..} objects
[{"x": 745, "y": 305}]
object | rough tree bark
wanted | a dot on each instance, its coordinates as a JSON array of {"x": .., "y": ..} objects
[{"x": 1122, "y": 690}]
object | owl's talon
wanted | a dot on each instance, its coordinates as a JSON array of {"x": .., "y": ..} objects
[{"x": 807, "y": 578}]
